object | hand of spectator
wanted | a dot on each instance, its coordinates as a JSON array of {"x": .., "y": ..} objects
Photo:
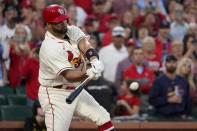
[
  {"x": 183, "y": 116},
  {"x": 175, "y": 99},
  {"x": 191, "y": 48},
  {"x": 122, "y": 102},
  {"x": 5, "y": 81}
]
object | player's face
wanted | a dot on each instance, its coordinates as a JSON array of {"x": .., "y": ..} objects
[{"x": 60, "y": 27}]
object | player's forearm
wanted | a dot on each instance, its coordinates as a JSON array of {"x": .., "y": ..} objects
[
  {"x": 74, "y": 76},
  {"x": 84, "y": 45}
]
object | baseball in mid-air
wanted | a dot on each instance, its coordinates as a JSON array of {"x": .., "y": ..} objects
[{"x": 134, "y": 86}]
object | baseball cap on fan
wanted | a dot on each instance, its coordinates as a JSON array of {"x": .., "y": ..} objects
[
  {"x": 98, "y": 2},
  {"x": 164, "y": 24},
  {"x": 118, "y": 31},
  {"x": 170, "y": 57},
  {"x": 26, "y": 4}
]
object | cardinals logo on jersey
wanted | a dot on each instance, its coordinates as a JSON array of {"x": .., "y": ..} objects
[
  {"x": 70, "y": 56},
  {"x": 77, "y": 61}
]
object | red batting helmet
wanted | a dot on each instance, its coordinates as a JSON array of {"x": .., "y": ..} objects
[{"x": 54, "y": 14}]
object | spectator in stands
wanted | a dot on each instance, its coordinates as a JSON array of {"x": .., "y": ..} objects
[
  {"x": 7, "y": 32},
  {"x": 129, "y": 44},
  {"x": 151, "y": 19},
  {"x": 140, "y": 34},
  {"x": 86, "y": 5},
  {"x": 158, "y": 5},
  {"x": 134, "y": 10},
  {"x": 72, "y": 12},
  {"x": 120, "y": 6},
  {"x": 154, "y": 61},
  {"x": 162, "y": 42},
  {"x": 178, "y": 28},
  {"x": 91, "y": 27},
  {"x": 127, "y": 23},
  {"x": 94, "y": 43},
  {"x": 112, "y": 54},
  {"x": 190, "y": 48},
  {"x": 128, "y": 102},
  {"x": 30, "y": 72},
  {"x": 191, "y": 12},
  {"x": 27, "y": 12},
  {"x": 36, "y": 122},
  {"x": 192, "y": 29},
  {"x": 80, "y": 13},
  {"x": 113, "y": 21},
  {"x": 2, "y": 7},
  {"x": 39, "y": 6},
  {"x": 177, "y": 49},
  {"x": 32, "y": 20},
  {"x": 140, "y": 73},
  {"x": 19, "y": 52},
  {"x": 127, "y": 19},
  {"x": 170, "y": 10},
  {"x": 3, "y": 72},
  {"x": 184, "y": 69},
  {"x": 124, "y": 64},
  {"x": 98, "y": 9},
  {"x": 169, "y": 93},
  {"x": 188, "y": 3}
]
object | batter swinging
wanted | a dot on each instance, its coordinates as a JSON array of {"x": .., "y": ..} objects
[{"x": 62, "y": 68}]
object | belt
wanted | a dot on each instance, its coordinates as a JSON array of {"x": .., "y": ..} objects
[{"x": 67, "y": 88}]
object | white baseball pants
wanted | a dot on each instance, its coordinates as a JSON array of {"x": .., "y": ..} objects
[{"x": 58, "y": 114}]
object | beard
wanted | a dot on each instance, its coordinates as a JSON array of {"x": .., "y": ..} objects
[
  {"x": 60, "y": 31},
  {"x": 171, "y": 70}
]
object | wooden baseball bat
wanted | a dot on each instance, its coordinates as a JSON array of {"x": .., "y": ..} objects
[{"x": 76, "y": 92}]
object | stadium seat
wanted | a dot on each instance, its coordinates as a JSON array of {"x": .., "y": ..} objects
[
  {"x": 20, "y": 90},
  {"x": 15, "y": 113},
  {"x": 6, "y": 90},
  {"x": 194, "y": 112},
  {"x": 3, "y": 100},
  {"x": 17, "y": 100}
]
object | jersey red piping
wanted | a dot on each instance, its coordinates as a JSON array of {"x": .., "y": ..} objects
[
  {"x": 63, "y": 69},
  {"x": 81, "y": 38},
  {"x": 51, "y": 106}
]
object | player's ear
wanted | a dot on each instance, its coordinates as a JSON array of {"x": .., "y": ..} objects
[{"x": 49, "y": 26}]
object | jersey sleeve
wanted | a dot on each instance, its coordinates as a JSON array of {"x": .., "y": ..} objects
[{"x": 76, "y": 34}]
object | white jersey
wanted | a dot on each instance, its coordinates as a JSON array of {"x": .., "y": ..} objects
[{"x": 57, "y": 55}]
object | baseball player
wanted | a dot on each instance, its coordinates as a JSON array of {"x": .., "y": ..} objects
[{"x": 62, "y": 68}]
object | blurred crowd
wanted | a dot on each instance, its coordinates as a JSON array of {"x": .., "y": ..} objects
[{"x": 151, "y": 42}]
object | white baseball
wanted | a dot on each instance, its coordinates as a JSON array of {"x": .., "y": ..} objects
[{"x": 134, "y": 86}]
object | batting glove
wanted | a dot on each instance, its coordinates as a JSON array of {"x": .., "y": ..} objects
[
  {"x": 98, "y": 65},
  {"x": 92, "y": 73}
]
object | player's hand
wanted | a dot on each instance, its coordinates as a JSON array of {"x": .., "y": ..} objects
[
  {"x": 92, "y": 73},
  {"x": 98, "y": 65}
]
